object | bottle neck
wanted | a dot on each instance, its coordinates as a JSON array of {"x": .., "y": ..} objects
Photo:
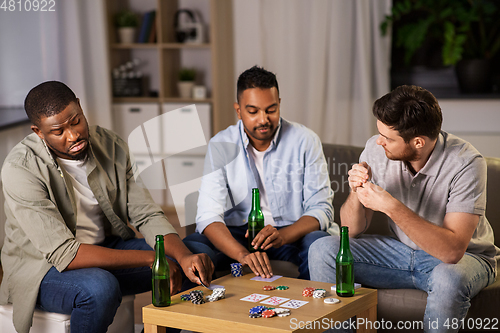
[
  {"x": 344, "y": 239},
  {"x": 160, "y": 249},
  {"x": 255, "y": 201}
]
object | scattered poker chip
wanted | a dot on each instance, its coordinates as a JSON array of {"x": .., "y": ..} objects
[
  {"x": 282, "y": 287},
  {"x": 255, "y": 315},
  {"x": 331, "y": 300},
  {"x": 268, "y": 313},
  {"x": 185, "y": 297},
  {"x": 284, "y": 314},
  {"x": 236, "y": 269},
  {"x": 268, "y": 288}
]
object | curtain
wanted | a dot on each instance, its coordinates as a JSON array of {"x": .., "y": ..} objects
[
  {"x": 74, "y": 51},
  {"x": 329, "y": 57}
]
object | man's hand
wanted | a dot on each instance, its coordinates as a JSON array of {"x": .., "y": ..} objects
[
  {"x": 258, "y": 263},
  {"x": 374, "y": 197},
  {"x": 175, "y": 277},
  {"x": 267, "y": 238},
  {"x": 359, "y": 175},
  {"x": 200, "y": 264}
]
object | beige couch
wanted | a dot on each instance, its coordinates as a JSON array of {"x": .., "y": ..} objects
[
  {"x": 393, "y": 304},
  {"x": 409, "y": 304}
]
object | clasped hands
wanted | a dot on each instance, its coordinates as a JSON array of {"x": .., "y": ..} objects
[{"x": 369, "y": 195}]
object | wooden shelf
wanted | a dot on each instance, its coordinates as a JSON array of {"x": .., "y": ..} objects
[
  {"x": 160, "y": 100},
  {"x": 127, "y": 46}
]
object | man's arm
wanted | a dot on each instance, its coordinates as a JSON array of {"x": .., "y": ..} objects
[
  {"x": 221, "y": 238},
  {"x": 352, "y": 213},
  {"x": 447, "y": 243},
  {"x": 272, "y": 237}
]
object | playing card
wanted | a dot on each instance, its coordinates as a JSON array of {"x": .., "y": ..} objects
[
  {"x": 254, "y": 298},
  {"x": 213, "y": 286},
  {"x": 275, "y": 300},
  {"x": 271, "y": 279},
  {"x": 293, "y": 304}
]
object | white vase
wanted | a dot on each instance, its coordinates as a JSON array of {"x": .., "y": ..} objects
[
  {"x": 185, "y": 89},
  {"x": 126, "y": 35}
]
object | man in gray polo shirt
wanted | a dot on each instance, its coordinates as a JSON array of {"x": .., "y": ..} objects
[{"x": 432, "y": 187}]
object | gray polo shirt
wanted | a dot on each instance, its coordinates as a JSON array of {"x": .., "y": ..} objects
[{"x": 452, "y": 180}]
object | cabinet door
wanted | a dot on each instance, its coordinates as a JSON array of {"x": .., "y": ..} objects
[
  {"x": 138, "y": 124},
  {"x": 184, "y": 177},
  {"x": 186, "y": 128},
  {"x": 151, "y": 176}
]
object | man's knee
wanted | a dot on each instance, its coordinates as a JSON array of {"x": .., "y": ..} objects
[
  {"x": 322, "y": 249},
  {"x": 448, "y": 279},
  {"x": 99, "y": 287}
]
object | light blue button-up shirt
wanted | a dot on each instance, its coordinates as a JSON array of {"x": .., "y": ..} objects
[{"x": 295, "y": 176}]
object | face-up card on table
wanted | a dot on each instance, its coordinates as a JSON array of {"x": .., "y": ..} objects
[
  {"x": 275, "y": 300},
  {"x": 254, "y": 298},
  {"x": 271, "y": 279},
  {"x": 293, "y": 304}
]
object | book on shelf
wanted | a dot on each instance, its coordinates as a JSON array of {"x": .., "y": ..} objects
[
  {"x": 147, "y": 24},
  {"x": 152, "y": 34}
]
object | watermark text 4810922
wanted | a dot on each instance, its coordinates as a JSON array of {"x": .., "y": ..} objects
[{"x": 28, "y": 5}]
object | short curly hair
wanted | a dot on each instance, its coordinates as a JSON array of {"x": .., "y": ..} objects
[
  {"x": 255, "y": 77},
  {"x": 47, "y": 99}
]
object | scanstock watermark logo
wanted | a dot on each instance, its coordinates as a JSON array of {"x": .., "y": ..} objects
[{"x": 162, "y": 151}]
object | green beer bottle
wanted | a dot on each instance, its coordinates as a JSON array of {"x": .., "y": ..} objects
[
  {"x": 345, "y": 266},
  {"x": 255, "y": 219},
  {"x": 160, "y": 275}
]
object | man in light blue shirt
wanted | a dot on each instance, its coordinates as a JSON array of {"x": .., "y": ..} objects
[{"x": 285, "y": 161}]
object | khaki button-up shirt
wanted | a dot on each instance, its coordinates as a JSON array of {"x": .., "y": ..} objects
[{"x": 41, "y": 219}]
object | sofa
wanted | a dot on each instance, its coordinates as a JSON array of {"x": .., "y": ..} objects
[
  {"x": 409, "y": 304},
  {"x": 393, "y": 304}
]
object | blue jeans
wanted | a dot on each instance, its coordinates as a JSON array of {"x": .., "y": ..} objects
[
  {"x": 385, "y": 262},
  {"x": 295, "y": 252},
  {"x": 92, "y": 295}
]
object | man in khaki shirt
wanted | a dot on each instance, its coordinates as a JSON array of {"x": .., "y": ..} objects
[{"x": 69, "y": 193}]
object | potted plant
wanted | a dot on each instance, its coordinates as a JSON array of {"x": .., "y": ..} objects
[
  {"x": 126, "y": 22},
  {"x": 186, "y": 82},
  {"x": 467, "y": 30}
]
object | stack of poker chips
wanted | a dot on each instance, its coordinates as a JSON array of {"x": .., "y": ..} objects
[
  {"x": 256, "y": 311},
  {"x": 236, "y": 269},
  {"x": 319, "y": 293},
  {"x": 308, "y": 292},
  {"x": 268, "y": 313},
  {"x": 281, "y": 312},
  {"x": 217, "y": 294},
  {"x": 268, "y": 288},
  {"x": 282, "y": 287},
  {"x": 196, "y": 297},
  {"x": 185, "y": 297}
]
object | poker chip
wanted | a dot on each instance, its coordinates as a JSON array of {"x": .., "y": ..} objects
[
  {"x": 268, "y": 288},
  {"x": 282, "y": 311},
  {"x": 236, "y": 269},
  {"x": 268, "y": 313},
  {"x": 308, "y": 292},
  {"x": 196, "y": 297},
  {"x": 257, "y": 309},
  {"x": 331, "y": 300},
  {"x": 255, "y": 315},
  {"x": 282, "y": 287},
  {"x": 319, "y": 293},
  {"x": 185, "y": 297},
  {"x": 217, "y": 294},
  {"x": 284, "y": 314}
]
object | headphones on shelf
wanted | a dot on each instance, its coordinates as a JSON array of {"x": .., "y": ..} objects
[{"x": 188, "y": 32}]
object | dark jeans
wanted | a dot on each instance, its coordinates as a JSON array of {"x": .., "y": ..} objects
[
  {"x": 92, "y": 295},
  {"x": 296, "y": 252}
]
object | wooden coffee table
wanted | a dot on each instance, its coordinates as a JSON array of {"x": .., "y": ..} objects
[{"x": 231, "y": 314}]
